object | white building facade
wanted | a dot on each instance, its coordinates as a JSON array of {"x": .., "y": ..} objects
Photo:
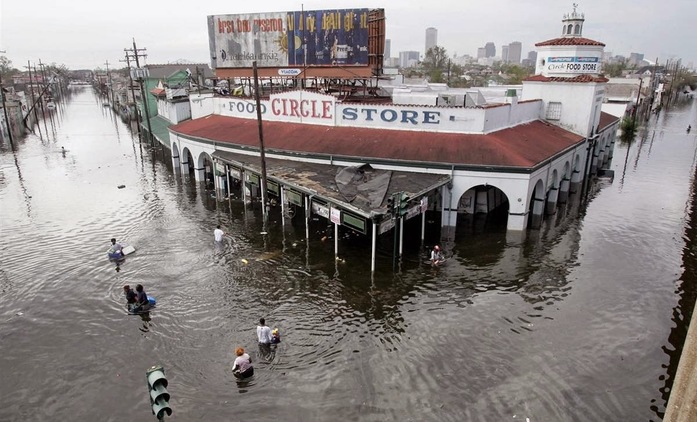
[{"x": 562, "y": 100}]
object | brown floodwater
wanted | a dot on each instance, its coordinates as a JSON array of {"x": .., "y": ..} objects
[{"x": 580, "y": 320}]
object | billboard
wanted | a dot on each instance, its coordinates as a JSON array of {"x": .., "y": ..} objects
[{"x": 279, "y": 39}]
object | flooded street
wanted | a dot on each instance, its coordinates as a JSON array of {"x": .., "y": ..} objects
[{"x": 577, "y": 321}]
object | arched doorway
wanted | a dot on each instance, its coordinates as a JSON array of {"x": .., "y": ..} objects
[
  {"x": 482, "y": 208},
  {"x": 205, "y": 169},
  {"x": 188, "y": 166}
]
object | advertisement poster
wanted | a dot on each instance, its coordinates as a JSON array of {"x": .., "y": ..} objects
[{"x": 279, "y": 39}]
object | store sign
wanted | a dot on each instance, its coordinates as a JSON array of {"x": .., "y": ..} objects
[
  {"x": 294, "y": 198},
  {"x": 235, "y": 173},
  {"x": 336, "y": 216},
  {"x": 574, "y": 64},
  {"x": 356, "y": 222},
  {"x": 292, "y": 106},
  {"x": 289, "y": 72},
  {"x": 320, "y": 209}
]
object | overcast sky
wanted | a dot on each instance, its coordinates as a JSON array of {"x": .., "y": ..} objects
[{"x": 86, "y": 34}]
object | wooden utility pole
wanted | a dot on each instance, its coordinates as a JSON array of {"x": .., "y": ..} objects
[
  {"x": 108, "y": 86},
  {"x": 45, "y": 87},
  {"x": 133, "y": 93},
  {"x": 33, "y": 100},
  {"x": 140, "y": 73},
  {"x": 261, "y": 141},
  {"x": 7, "y": 119}
]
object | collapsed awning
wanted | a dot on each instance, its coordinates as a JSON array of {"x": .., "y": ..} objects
[{"x": 361, "y": 189}]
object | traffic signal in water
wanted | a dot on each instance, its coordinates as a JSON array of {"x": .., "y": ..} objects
[
  {"x": 391, "y": 206},
  {"x": 159, "y": 397},
  {"x": 403, "y": 203}
]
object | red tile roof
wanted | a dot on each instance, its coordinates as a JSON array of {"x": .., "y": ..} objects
[
  {"x": 580, "y": 78},
  {"x": 606, "y": 119},
  {"x": 569, "y": 41},
  {"x": 522, "y": 146}
]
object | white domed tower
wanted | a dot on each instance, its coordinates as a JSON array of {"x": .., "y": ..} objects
[
  {"x": 573, "y": 24},
  {"x": 567, "y": 78}
]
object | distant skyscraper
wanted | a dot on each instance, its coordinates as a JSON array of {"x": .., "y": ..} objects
[
  {"x": 636, "y": 58},
  {"x": 386, "y": 54},
  {"x": 531, "y": 60},
  {"x": 490, "y": 49},
  {"x": 431, "y": 38},
  {"x": 504, "y": 53},
  {"x": 408, "y": 58},
  {"x": 514, "y": 51},
  {"x": 481, "y": 52}
]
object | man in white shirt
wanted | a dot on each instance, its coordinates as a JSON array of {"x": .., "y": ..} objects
[
  {"x": 218, "y": 233},
  {"x": 263, "y": 332}
]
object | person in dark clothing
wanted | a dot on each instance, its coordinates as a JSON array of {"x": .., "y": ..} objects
[
  {"x": 130, "y": 294},
  {"x": 130, "y": 297},
  {"x": 142, "y": 303}
]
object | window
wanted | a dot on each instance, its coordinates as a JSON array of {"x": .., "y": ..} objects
[{"x": 554, "y": 111}]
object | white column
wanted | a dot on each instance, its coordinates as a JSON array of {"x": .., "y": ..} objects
[
  {"x": 307, "y": 219},
  {"x": 336, "y": 241},
  {"x": 372, "y": 255},
  {"x": 283, "y": 206}
]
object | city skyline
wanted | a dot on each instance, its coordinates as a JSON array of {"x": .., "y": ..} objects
[{"x": 88, "y": 34}]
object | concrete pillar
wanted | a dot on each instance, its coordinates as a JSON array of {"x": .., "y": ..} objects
[
  {"x": 576, "y": 180},
  {"x": 611, "y": 147},
  {"x": 564, "y": 190},
  {"x": 176, "y": 165},
  {"x": 594, "y": 164},
  {"x": 449, "y": 211},
  {"x": 551, "y": 205},
  {"x": 538, "y": 209},
  {"x": 517, "y": 222},
  {"x": 200, "y": 174}
]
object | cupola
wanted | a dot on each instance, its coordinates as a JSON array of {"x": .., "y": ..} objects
[{"x": 573, "y": 24}]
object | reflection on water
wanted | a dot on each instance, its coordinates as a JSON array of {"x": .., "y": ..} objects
[{"x": 578, "y": 320}]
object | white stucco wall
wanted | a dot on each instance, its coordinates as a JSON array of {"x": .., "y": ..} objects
[
  {"x": 201, "y": 105},
  {"x": 174, "y": 112},
  {"x": 581, "y": 103},
  {"x": 312, "y": 108},
  {"x": 509, "y": 115}
]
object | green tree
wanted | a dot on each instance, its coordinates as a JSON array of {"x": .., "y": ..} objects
[
  {"x": 435, "y": 64},
  {"x": 614, "y": 70},
  {"x": 6, "y": 69},
  {"x": 515, "y": 74},
  {"x": 436, "y": 58}
]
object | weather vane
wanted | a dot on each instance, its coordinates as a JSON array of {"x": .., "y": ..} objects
[{"x": 575, "y": 5}]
